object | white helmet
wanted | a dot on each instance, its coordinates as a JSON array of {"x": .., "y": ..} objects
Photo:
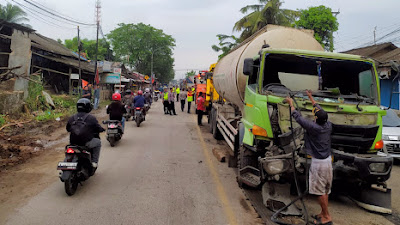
[{"x": 147, "y": 90}]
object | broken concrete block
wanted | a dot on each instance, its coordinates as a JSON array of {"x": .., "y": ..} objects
[{"x": 219, "y": 154}]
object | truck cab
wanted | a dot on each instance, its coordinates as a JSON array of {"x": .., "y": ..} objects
[{"x": 345, "y": 86}]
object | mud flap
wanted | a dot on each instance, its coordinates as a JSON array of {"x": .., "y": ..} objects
[
  {"x": 375, "y": 199},
  {"x": 276, "y": 196},
  {"x": 65, "y": 174}
]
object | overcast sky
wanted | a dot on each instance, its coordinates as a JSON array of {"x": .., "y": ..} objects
[{"x": 194, "y": 23}]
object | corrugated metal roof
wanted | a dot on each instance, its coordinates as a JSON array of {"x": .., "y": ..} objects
[{"x": 382, "y": 53}]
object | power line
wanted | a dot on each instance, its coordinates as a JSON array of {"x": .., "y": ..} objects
[
  {"x": 34, "y": 13},
  {"x": 54, "y": 14}
]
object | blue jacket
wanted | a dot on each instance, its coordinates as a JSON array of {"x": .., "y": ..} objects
[{"x": 138, "y": 101}]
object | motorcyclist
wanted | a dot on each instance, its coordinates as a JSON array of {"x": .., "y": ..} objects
[
  {"x": 139, "y": 101},
  {"x": 147, "y": 96},
  {"x": 116, "y": 109},
  {"x": 128, "y": 99},
  {"x": 88, "y": 135}
]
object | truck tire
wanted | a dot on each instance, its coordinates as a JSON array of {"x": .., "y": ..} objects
[
  {"x": 211, "y": 119},
  {"x": 216, "y": 133}
]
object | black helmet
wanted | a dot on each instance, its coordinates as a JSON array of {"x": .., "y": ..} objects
[
  {"x": 84, "y": 105},
  {"x": 128, "y": 92}
]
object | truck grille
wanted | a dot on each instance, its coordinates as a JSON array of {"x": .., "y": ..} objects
[{"x": 352, "y": 138}]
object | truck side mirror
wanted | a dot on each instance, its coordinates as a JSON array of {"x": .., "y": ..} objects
[{"x": 248, "y": 66}]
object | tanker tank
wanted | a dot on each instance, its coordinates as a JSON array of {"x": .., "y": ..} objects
[{"x": 229, "y": 80}]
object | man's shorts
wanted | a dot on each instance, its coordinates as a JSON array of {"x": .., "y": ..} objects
[{"x": 321, "y": 176}]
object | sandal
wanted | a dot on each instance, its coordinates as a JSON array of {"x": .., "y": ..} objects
[{"x": 318, "y": 221}]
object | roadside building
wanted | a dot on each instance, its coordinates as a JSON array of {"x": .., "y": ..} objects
[
  {"x": 24, "y": 52},
  {"x": 383, "y": 54}
]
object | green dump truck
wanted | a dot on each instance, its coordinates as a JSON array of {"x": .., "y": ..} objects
[{"x": 252, "y": 116}]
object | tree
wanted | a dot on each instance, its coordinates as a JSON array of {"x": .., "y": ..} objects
[
  {"x": 267, "y": 12},
  {"x": 190, "y": 73},
  {"x": 141, "y": 43},
  {"x": 13, "y": 14},
  {"x": 321, "y": 20},
  {"x": 89, "y": 47},
  {"x": 225, "y": 46}
]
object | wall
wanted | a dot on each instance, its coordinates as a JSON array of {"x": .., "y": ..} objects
[
  {"x": 386, "y": 86},
  {"x": 21, "y": 55}
]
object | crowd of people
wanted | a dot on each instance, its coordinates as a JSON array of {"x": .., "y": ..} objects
[{"x": 175, "y": 94}]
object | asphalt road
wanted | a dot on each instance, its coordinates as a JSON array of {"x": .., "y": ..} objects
[{"x": 160, "y": 173}]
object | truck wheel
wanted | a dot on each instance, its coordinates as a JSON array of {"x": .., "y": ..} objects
[
  {"x": 216, "y": 133},
  {"x": 211, "y": 119}
]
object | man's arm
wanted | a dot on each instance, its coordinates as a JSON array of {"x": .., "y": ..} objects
[
  {"x": 305, "y": 123},
  {"x": 309, "y": 94}
]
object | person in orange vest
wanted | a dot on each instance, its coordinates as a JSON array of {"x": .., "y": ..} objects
[
  {"x": 201, "y": 108},
  {"x": 189, "y": 99}
]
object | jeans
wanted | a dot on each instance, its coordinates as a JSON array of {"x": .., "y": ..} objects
[
  {"x": 172, "y": 108},
  {"x": 96, "y": 103},
  {"x": 94, "y": 145},
  {"x": 182, "y": 105},
  {"x": 199, "y": 117},
  {"x": 189, "y": 103},
  {"x": 123, "y": 124}
]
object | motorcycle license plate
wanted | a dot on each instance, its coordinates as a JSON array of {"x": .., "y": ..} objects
[
  {"x": 114, "y": 131},
  {"x": 67, "y": 165}
]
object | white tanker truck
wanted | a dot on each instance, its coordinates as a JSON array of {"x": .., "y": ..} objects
[{"x": 252, "y": 116}]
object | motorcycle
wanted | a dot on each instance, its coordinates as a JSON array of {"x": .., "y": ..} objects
[
  {"x": 156, "y": 96},
  {"x": 139, "y": 116},
  {"x": 146, "y": 107},
  {"x": 76, "y": 167},
  {"x": 114, "y": 131},
  {"x": 128, "y": 113}
]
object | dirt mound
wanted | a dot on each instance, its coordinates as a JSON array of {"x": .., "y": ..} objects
[{"x": 12, "y": 154}]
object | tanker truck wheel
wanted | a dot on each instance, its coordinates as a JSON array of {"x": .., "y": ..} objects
[
  {"x": 210, "y": 119},
  {"x": 216, "y": 133}
]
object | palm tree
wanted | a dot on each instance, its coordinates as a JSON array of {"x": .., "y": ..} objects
[
  {"x": 267, "y": 12},
  {"x": 225, "y": 46},
  {"x": 13, "y": 14}
]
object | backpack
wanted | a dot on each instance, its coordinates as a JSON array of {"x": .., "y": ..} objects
[{"x": 79, "y": 130}]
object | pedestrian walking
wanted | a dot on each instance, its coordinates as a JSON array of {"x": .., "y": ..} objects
[
  {"x": 201, "y": 108},
  {"x": 96, "y": 96},
  {"x": 189, "y": 99},
  {"x": 182, "y": 97},
  {"x": 171, "y": 100},
  {"x": 318, "y": 145},
  {"x": 178, "y": 91},
  {"x": 165, "y": 102}
]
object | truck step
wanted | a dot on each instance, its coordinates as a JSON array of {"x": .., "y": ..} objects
[{"x": 250, "y": 179}]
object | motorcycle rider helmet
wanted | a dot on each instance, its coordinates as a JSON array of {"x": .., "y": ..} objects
[
  {"x": 84, "y": 105},
  {"x": 140, "y": 92},
  {"x": 116, "y": 97},
  {"x": 128, "y": 92},
  {"x": 147, "y": 89}
]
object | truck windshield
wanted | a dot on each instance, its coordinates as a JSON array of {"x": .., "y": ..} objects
[{"x": 333, "y": 80}]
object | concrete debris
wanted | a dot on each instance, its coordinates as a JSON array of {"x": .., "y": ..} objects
[{"x": 219, "y": 154}]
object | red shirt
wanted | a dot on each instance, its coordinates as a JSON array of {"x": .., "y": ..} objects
[{"x": 200, "y": 104}]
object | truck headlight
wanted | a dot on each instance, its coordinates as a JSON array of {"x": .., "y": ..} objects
[
  {"x": 377, "y": 167},
  {"x": 275, "y": 166},
  {"x": 385, "y": 137}
]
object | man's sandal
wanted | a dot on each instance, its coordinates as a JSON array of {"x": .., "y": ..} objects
[{"x": 318, "y": 221}]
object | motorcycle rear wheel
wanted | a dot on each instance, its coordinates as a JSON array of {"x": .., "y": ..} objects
[
  {"x": 112, "y": 141},
  {"x": 71, "y": 184},
  {"x": 137, "y": 121}
]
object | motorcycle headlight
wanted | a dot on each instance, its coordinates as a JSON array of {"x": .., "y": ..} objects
[{"x": 377, "y": 167}]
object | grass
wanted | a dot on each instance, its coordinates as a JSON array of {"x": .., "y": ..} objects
[
  {"x": 49, "y": 116},
  {"x": 2, "y": 120}
]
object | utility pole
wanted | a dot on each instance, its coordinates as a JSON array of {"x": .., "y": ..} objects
[
  {"x": 375, "y": 35},
  {"x": 98, "y": 11},
  {"x": 79, "y": 66}
]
